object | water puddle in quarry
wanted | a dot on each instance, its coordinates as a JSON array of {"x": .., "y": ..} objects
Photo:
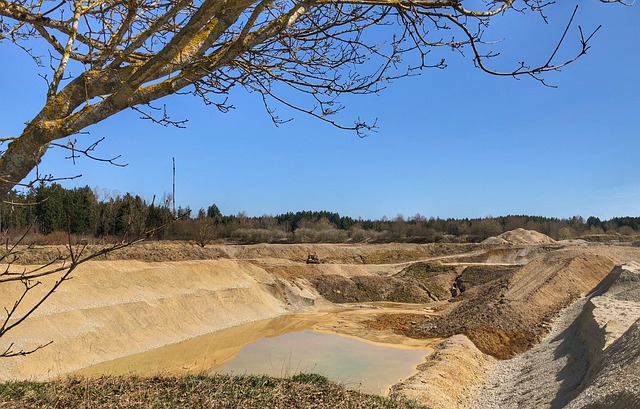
[
  {"x": 281, "y": 346},
  {"x": 351, "y": 362}
]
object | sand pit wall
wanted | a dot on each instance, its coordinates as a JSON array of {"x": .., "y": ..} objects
[
  {"x": 549, "y": 283},
  {"x": 610, "y": 331},
  {"x": 509, "y": 314},
  {"x": 506, "y": 254},
  {"x": 615, "y": 381},
  {"x": 590, "y": 360},
  {"x": 112, "y": 309},
  {"x": 613, "y": 306},
  {"x": 444, "y": 380},
  {"x": 160, "y": 251}
]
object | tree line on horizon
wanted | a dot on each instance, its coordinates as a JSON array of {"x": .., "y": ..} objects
[{"x": 51, "y": 213}]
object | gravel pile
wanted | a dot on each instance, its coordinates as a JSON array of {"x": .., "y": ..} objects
[{"x": 563, "y": 370}]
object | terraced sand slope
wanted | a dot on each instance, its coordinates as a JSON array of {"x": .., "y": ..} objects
[
  {"x": 136, "y": 300},
  {"x": 115, "y": 308}
]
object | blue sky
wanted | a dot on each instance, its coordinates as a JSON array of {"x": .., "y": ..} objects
[{"x": 451, "y": 143}]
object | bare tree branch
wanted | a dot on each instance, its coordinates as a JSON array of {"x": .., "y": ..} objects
[
  {"x": 76, "y": 152},
  {"x": 60, "y": 267},
  {"x": 108, "y": 56}
]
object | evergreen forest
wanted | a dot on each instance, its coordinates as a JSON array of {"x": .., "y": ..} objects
[{"x": 49, "y": 214}]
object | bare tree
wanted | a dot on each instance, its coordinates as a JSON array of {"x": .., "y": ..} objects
[
  {"x": 204, "y": 229},
  {"x": 105, "y": 56}
]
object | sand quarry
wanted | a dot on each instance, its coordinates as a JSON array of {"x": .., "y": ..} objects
[{"x": 519, "y": 321}]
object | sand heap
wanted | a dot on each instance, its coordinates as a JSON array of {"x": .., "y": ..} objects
[{"x": 520, "y": 237}]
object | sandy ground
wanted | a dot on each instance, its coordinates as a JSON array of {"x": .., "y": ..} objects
[
  {"x": 207, "y": 352},
  {"x": 115, "y": 309},
  {"x": 121, "y": 311}
]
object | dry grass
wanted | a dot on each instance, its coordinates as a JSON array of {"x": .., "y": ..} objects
[
  {"x": 219, "y": 391},
  {"x": 148, "y": 251}
]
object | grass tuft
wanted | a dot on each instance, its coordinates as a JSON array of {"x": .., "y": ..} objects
[{"x": 311, "y": 378}]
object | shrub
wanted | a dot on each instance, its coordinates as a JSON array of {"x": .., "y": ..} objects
[
  {"x": 251, "y": 236},
  {"x": 311, "y": 378}
]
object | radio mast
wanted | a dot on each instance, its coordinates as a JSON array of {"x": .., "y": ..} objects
[{"x": 173, "y": 195}]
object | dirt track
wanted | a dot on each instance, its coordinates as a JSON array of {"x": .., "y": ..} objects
[{"x": 114, "y": 308}]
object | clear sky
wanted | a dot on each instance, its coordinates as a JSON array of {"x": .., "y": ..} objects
[{"x": 451, "y": 143}]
